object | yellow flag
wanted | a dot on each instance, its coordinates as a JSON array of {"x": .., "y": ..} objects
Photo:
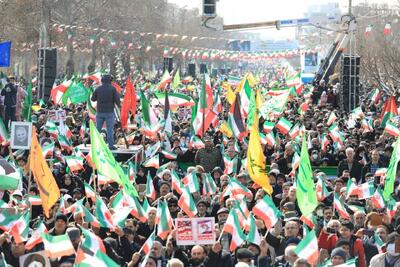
[
  {"x": 251, "y": 79},
  {"x": 224, "y": 128},
  {"x": 255, "y": 159},
  {"x": 230, "y": 95},
  {"x": 49, "y": 192}
]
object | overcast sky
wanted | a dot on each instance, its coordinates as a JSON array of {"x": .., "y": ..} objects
[{"x": 242, "y": 11}]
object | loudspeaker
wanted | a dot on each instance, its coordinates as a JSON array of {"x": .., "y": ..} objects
[
  {"x": 214, "y": 73},
  {"x": 192, "y": 69},
  {"x": 47, "y": 71},
  {"x": 350, "y": 82},
  {"x": 203, "y": 68},
  {"x": 168, "y": 64}
]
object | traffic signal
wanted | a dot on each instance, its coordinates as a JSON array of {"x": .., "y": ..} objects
[{"x": 209, "y": 8}]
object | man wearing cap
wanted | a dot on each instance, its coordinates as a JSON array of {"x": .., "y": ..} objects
[
  {"x": 338, "y": 256},
  {"x": 392, "y": 256},
  {"x": 10, "y": 100},
  {"x": 107, "y": 97},
  {"x": 208, "y": 157}
]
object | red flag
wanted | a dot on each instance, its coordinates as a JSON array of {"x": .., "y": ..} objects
[{"x": 129, "y": 103}]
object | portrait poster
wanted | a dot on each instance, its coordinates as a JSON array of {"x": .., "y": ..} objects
[
  {"x": 34, "y": 259},
  {"x": 21, "y": 133},
  {"x": 195, "y": 231}
]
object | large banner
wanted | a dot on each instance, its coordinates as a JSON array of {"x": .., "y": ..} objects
[{"x": 309, "y": 62}]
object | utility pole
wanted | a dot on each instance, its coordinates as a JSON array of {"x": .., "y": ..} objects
[{"x": 350, "y": 4}]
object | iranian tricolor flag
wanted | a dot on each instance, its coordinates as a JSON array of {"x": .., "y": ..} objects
[
  {"x": 236, "y": 188},
  {"x": 325, "y": 142},
  {"x": 20, "y": 229},
  {"x": 95, "y": 77},
  {"x": 294, "y": 80},
  {"x": 48, "y": 150},
  {"x": 389, "y": 111},
  {"x": 196, "y": 143},
  {"x": 334, "y": 132},
  {"x": 375, "y": 95},
  {"x": 322, "y": 192},
  {"x": 245, "y": 98},
  {"x": 51, "y": 128},
  {"x": 150, "y": 191},
  {"x": 366, "y": 190},
  {"x": 331, "y": 119},
  {"x": 366, "y": 124},
  {"x": 153, "y": 162},
  {"x": 232, "y": 226},
  {"x": 230, "y": 164},
  {"x": 351, "y": 189},
  {"x": 308, "y": 248},
  {"x": 131, "y": 171},
  {"x": 165, "y": 79},
  {"x": 295, "y": 163},
  {"x": 175, "y": 100},
  {"x": 36, "y": 237},
  {"x": 176, "y": 182},
  {"x": 74, "y": 163},
  {"x": 146, "y": 248},
  {"x": 309, "y": 220},
  {"x": 253, "y": 235},
  {"x": 368, "y": 30},
  {"x": 209, "y": 186},
  {"x": 89, "y": 192},
  {"x": 378, "y": 242},
  {"x": 266, "y": 210},
  {"x": 92, "y": 241},
  {"x": 187, "y": 204},
  {"x": 65, "y": 143},
  {"x": 270, "y": 137},
  {"x": 103, "y": 214},
  {"x": 284, "y": 125},
  {"x": 388, "y": 29},
  {"x": 295, "y": 131},
  {"x": 163, "y": 220},
  {"x": 357, "y": 113},
  {"x": 377, "y": 199},
  {"x": 392, "y": 129},
  {"x": 340, "y": 208},
  {"x": 191, "y": 181},
  {"x": 268, "y": 126},
  {"x": 4, "y": 136},
  {"x": 10, "y": 176},
  {"x": 58, "y": 91},
  {"x": 169, "y": 154},
  {"x": 35, "y": 200},
  {"x": 57, "y": 246}
]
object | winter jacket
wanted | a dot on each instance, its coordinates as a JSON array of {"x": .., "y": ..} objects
[
  {"x": 379, "y": 261},
  {"x": 107, "y": 97},
  {"x": 10, "y": 95}
]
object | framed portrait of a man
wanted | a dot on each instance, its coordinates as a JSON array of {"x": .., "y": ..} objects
[{"x": 21, "y": 135}]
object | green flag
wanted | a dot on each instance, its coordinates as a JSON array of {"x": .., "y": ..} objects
[
  {"x": 177, "y": 80},
  {"x": 26, "y": 109},
  {"x": 106, "y": 163},
  {"x": 391, "y": 171},
  {"x": 305, "y": 190},
  {"x": 77, "y": 93}
]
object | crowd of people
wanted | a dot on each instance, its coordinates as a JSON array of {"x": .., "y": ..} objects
[{"x": 353, "y": 228}]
